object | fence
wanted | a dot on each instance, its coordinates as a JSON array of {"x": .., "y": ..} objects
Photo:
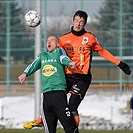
[{"x": 17, "y": 39}]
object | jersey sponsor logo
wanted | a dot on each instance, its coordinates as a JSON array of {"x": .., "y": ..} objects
[
  {"x": 85, "y": 40},
  {"x": 73, "y": 49},
  {"x": 49, "y": 70},
  {"x": 49, "y": 60}
]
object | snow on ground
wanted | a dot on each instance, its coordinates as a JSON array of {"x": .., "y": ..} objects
[
  {"x": 15, "y": 111},
  {"x": 108, "y": 106}
]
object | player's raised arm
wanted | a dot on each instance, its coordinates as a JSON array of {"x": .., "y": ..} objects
[{"x": 108, "y": 56}]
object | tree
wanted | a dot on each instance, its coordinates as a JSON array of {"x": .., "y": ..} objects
[
  {"x": 21, "y": 41},
  {"x": 108, "y": 23}
]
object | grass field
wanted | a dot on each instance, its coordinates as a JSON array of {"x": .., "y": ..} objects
[{"x": 62, "y": 131}]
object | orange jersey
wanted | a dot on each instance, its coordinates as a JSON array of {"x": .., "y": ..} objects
[{"x": 80, "y": 48}]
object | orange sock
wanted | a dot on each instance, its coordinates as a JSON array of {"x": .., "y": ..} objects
[
  {"x": 39, "y": 120},
  {"x": 76, "y": 118}
]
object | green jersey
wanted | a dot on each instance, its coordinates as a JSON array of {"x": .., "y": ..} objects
[{"x": 52, "y": 66}]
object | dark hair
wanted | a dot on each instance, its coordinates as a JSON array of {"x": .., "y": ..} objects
[{"x": 81, "y": 14}]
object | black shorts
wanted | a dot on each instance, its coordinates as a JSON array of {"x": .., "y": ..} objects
[
  {"x": 78, "y": 84},
  {"x": 54, "y": 107}
]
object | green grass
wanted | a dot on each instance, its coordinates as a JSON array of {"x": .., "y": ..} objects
[{"x": 61, "y": 131}]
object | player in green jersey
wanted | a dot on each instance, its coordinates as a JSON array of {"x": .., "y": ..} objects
[{"x": 54, "y": 105}]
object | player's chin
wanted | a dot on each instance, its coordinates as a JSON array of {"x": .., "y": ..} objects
[
  {"x": 49, "y": 50},
  {"x": 77, "y": 29}
]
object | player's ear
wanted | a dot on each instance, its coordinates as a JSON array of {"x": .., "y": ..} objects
[{"x": 58, "y": 44}]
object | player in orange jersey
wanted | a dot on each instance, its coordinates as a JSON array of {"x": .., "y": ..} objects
[{"x": 79, "y": 45}]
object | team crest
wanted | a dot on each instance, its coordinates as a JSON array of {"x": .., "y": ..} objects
[
  {"x": 43, "y": 61},
  {"x": 85, "y": 40}
]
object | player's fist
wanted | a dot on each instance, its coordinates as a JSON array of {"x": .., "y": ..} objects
[
  {"x": 72, "y": 65},
  {"x": 22, "y": 78}
]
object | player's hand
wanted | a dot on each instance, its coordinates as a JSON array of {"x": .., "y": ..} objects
[
  {"x": 124, "y": 67},
  {"x": 22, "y": 78},
  {"x": 72, "y": 65}
]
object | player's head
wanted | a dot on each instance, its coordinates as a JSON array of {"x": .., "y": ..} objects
[
  {"x": 52, "y": 43},
  {"x": 79, "y": 20}
]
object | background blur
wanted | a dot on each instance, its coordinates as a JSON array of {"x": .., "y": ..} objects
[{"x": 110, "y": 21}]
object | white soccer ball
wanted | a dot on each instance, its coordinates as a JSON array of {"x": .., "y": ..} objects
[{"x": 33, "y": 18}]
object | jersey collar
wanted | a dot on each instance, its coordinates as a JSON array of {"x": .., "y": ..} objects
[{"x": 79, "y": 33}]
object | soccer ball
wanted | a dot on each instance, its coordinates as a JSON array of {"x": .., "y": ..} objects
[{"x": 33, "y": 18}]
